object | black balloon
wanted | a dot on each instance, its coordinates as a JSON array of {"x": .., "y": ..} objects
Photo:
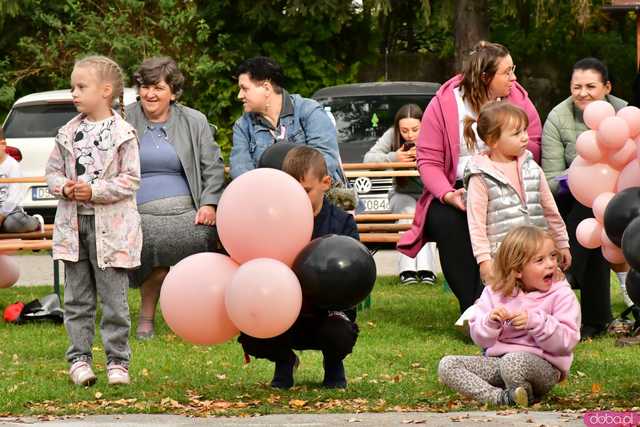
[
  {"x": 631, "y": 244},
  {"x": 335, "y": 272},
  {"x": 273, "y": 157},
  {"x": 633, "y": 286},
  {"x": 623, "y": 208}
]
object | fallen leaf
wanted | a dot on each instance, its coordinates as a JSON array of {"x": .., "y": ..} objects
[
  {"x": 581, "y": 374},
  {"x": 353, "y": 420},
  {"x": 596, "y": 388},
  {"x": 221, "y": 376},
  {"x": 415, "y": 365},
  {"x": 98, "y": 395},
  {"x": 297, "y": 403},
  {"x": 145, "y": 372}
]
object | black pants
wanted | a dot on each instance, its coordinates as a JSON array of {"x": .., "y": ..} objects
[
  {"x": 448, "y": 227},
  {"x": 590, "y": 271},
  {"x": 332, "y": 335}
]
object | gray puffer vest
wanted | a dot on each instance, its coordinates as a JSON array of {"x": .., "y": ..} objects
[{"x": 505, "y": 208}]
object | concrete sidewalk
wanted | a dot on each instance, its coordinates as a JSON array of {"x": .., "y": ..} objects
[
  {"x": 461, "y": 419},
  {"x": 37, "y": 269}
]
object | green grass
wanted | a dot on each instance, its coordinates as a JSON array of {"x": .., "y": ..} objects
[{"x": 403, "y": 336}]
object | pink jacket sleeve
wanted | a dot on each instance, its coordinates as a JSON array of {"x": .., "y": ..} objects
[
  {"x": 477, "y": 202},
  {"x": 484, "y": 331},
  {"x": 534, "y": 130},
  {"x": 430, "y": 151},
  {"x": 557, "y": 333},
  {"x": 557, "y": 228}
]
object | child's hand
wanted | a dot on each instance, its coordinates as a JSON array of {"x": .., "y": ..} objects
[
  {"x": 67, "y": 189},
  {"x": 519, "y": 320},
  {"x": 486, "y": 271},
  {"x": 206, "y": 215},
  {"x": 82, "y": 192},
  {"x": 499, "y": 314},
  {"x": 565, "y": 259}
]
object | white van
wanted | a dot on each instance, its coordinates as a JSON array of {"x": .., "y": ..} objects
[{"x": 31, "y": 127}]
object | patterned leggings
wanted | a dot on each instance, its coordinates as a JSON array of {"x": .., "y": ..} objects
[{"x": 483, "y": 378}]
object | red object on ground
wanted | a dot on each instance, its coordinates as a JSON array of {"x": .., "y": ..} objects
[
  {"x": 12, "y": 312},
  {"x": 14, "y": 152}
]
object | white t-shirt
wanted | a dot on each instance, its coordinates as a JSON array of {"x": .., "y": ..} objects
[
  {"x": 10, "y": 194},
  {"x": 464, "y": 110}
]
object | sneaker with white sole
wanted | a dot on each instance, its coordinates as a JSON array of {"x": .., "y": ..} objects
[
  {"x": 81, "y": 373},
  {"x": 117, "y": 374},
  {"x": 40, "y": 222}
]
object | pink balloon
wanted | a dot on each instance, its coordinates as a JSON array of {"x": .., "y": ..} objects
[
  {"x": 613, "y": 132},
  {"x": 600, "y": 204},
  {"x": 192, "y": 298},
  {"x": 596, "y": 112},
  {"x": 588, "y": 180},
  {"x": 264, "y": 213},
  {"x": 9, "y": 271},
  {"x": 264, "y": 298},
  {"x": 620, "y": 158},
  {"x": 605, "y": 239},
  {"x": 631, "y": 115},
  {"x": 629, "y": 176},
  {"x": 588, "y": 233},
  {"x": 587, "y": 146},
  {"x": 613, "y": 254}
]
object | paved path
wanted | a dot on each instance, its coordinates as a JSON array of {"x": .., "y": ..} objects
[
  {"x": 38, "y": 269},
  {"x": 460, "y": 419}
]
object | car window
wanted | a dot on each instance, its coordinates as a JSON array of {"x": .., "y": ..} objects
[
  {"x": 38, "y": 121},
  {"x": 361, "y": 120}
]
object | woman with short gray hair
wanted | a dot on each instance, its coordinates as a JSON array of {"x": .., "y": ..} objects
[{"x": 182, "y": 180}]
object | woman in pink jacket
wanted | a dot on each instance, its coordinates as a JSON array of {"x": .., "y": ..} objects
[
  {"x": 442, "y": 155},
  {"x": 527, "y": 322}
]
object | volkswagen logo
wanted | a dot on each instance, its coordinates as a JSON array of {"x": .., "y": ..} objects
[{"x": 362, "y": 185}]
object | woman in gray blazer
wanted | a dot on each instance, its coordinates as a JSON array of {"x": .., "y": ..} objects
[{"x": 182, "y": 180}]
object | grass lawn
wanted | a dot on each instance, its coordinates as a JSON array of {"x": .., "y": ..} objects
[{"x": 403, "y": 336}]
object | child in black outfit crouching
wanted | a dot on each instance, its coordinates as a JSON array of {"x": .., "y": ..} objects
[{"x": 332, "y": 332}]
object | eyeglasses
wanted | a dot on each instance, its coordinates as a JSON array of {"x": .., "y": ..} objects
[{"x": 510, "y": 71}]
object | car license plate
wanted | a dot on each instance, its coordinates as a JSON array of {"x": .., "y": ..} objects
[
  {"x": 41, "y": 193},
  {"x": 376, "y": 204}
]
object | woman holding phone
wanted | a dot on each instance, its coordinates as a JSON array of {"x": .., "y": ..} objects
[{"x": 398, "y": 144}]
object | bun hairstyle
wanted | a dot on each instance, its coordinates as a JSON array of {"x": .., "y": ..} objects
[
  {"x": 493, "y": 117},
  {"x": 107, "y": 70},
  {"x": 478, "y": 71},
  {"x": 407, "y": 111}
]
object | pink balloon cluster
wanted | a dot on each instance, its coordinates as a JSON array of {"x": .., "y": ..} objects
[
  {"x": 607, "y": 162},
  {"x": 264, "y": 219}
]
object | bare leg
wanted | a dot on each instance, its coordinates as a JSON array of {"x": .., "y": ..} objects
[{"x": 149, "y": 294}]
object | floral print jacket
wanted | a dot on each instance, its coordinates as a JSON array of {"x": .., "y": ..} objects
[{"x": 117, "y": 222}]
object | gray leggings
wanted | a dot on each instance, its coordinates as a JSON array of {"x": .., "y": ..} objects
[
  {"x": 19, "y": 222},
  {"x": 483, "y": 378}
]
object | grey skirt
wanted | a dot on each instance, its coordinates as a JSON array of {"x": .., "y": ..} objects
[{"x": 169, "y": 235}]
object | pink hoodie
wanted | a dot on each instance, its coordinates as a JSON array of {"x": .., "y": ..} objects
[
  {"x": 553, "y": 328},
  {"x": 438, "y": 149}
]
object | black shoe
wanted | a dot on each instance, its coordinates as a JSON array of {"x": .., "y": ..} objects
[
  {"x": 334, "y": 376},
  {"x": 427, "y": 277},
  {"x": 283, "y": 375},
  {"x": 514, "y": 397},
  {"x": 408, "y": 278},
  {"x": 588, "y": 332}
]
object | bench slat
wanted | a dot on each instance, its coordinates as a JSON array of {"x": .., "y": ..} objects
[
  {"x": 379, "y": 237},
  {"x": 392, "y": 228},
  {"x": 18, "y": 245},
  {"x": 378, "y": 166},
  {"x": 381, "y": 217}
]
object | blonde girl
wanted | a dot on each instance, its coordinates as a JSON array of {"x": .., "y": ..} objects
[
  {"x": 505, "y": 186},
  {"x": 94, "y": 171},
  {"x": 527, "y": 321}
]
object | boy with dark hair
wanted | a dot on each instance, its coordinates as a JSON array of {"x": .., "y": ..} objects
[{"x": 332, "y": 332}]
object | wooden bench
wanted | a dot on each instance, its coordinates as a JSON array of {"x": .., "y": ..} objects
[{"x": 381, "y": 227}]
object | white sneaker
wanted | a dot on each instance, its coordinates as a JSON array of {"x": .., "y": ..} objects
[
  {"x": 41, "y": 221},
  {"x": 117, "y": 374},
  {"x": 81, "y": 374},
  {"x": 462, "y": 324}
]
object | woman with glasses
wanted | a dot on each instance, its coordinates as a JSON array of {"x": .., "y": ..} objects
[
  {"x": 589, "y": 271},
  {"x": 487, "y": 75}
]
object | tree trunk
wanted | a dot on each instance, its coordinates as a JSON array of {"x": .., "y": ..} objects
[{"x": 472, "y": 25}]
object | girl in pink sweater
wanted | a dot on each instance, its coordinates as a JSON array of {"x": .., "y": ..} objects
[
  {"x": 505, "y": 186},
  {"x": 527, "y": 321}
]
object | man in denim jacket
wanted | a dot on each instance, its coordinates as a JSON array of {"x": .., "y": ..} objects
[{"x": 272, "y": 115}]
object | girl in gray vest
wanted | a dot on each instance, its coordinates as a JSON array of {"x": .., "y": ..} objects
[{"x": 505, "y": 186}]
